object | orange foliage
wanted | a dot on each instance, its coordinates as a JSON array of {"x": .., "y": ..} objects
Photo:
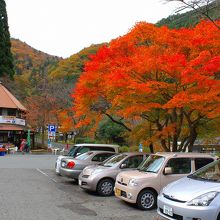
[
  {"x": 152, "y": 72},
  {"x": 65, "y": 121}
]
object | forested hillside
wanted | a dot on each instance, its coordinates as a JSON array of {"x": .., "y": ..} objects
[
  {"x": 44, "y": 83},
  {"x": 72, "y": 67},
  {"x": 191, "y": 18},
  {"x": 28, "y": 59}
]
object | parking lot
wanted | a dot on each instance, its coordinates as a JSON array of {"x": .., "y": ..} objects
[{"x": 30, "y": 189}]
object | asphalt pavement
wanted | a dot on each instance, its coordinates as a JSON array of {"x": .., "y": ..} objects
[{"x": 30, "y": 190}]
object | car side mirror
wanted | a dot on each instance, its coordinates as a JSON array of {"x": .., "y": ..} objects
[
  {"x": 124, "y": 165},
  {"x": 168, "y": 170}
]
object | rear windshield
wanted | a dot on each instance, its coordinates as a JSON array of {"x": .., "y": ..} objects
[
  {"x": 115, "y": 160},
  {"x": 84, "y": 156},
  {"x": 211, "y": 172},
  {"x": 152, "y": 164},
  {"x": 72, "y": 151}
]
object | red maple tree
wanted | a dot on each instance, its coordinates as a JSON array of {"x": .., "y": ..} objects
[{"x": 154, "y": 77}]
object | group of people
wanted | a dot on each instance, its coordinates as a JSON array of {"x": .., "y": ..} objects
[{"x": 21, "y": 146}]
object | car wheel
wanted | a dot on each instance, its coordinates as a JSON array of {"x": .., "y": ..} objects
[
  {"x": 147, "y": 200},
  {"x": 105, "y": 187}
]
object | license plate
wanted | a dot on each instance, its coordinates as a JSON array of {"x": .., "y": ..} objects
[
  {"x": 117, "y": 192},
  {"x": 167, "y": 210},
  {"x": 80, "y": 182}
]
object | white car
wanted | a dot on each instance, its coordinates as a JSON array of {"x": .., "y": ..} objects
[{"x": 195, "y": 197}]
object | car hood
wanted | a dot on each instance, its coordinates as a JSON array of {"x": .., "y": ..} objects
[
  {"x": 135, "y": 174},
  {"x": 187, "y": 189},
  {"x": 90, "y": 169}
]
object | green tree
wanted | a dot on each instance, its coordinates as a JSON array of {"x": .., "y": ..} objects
[
  {"x": 6, "y": 59},
  {"x": 111, "y": 132}
]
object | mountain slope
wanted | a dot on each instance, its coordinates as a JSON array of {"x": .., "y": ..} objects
[
  {"x": 72, "y": 67},
  {"x": 30, "y": 60},
  {"x": 190, "y": 18}
]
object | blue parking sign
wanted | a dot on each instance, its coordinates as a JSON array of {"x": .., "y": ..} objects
[{"x": 51, "y": 128}]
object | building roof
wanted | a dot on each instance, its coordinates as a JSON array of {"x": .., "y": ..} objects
[{"x": 7, "y": 100}]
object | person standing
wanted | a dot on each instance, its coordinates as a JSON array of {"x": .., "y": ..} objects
[
  {"x": 22, "y": 146},
  {"x": 26, "y": 147}
]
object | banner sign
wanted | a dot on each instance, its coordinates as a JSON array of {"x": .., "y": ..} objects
[{"x": 12, "y": 120}]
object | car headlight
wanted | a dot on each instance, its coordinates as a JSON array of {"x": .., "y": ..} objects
[
  {"x": 203, "y": 200},
  {"x": 133, "y": 182}
]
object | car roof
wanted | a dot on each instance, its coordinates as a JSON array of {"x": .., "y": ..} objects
[
  {"x": 99, "y": 152},
  {"x": 133, "y": 153},
  {"x": 182, "y": 154},
  {"x": 97, "y": 145}
]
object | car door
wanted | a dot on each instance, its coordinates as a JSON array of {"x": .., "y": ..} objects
[{"x": 181, "y": 167}]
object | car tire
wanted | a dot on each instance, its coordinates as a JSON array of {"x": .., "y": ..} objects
[
  {"x": 76, "y": 180},
  {"x": 147, "y": 200},
  {"x": 105, "y": 187}
]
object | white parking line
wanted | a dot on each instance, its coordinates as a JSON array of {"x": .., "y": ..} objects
[{"x": 46, "y": 175}]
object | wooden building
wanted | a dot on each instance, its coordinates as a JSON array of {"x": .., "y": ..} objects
[{"x": 13, "y": 126}]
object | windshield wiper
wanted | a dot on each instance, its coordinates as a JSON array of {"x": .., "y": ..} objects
[
  {"x": 150, "y": 171},
  {"x": 140, "y": 170},
  {"x": 146, "y": 171},
  {"x": 198, "y": 178}
]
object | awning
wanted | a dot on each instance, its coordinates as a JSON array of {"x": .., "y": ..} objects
[{"x": 12, "y": 128}]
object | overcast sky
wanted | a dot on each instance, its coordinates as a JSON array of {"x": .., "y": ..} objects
[{"x": 64, "y": 27}]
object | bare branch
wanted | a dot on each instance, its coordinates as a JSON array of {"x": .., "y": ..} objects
[{"x": 203, "y": 7}]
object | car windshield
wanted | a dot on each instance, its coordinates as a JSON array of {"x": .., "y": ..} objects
[
  {"x": 210, "y": 172},
  {"x": 113, "y": 161},
  {"x": 84, "y": 156},
  {"x": 71, "y": 151},
  {"x": 152, "y": 164}
]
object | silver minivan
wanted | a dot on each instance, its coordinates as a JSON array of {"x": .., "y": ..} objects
[{"x": 195, "y": 197}]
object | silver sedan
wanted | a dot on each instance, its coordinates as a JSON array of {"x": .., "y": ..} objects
[
  {"x": 194, "y": 197},
  {"x": 72, "y": 167}
]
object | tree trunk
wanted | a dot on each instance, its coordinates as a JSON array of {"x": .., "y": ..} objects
[
  {"x": 42, "y": 137},
  {"x": 66, "y": 136},
  {"x": 163, "y": 144},
  {"x": 193, "y": 136},
  {"x": 151, "y": 146}
]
